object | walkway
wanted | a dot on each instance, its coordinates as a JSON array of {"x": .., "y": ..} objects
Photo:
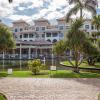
[{"x": 50, "y": 89}]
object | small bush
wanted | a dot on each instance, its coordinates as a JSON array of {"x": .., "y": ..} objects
[{"x": 35, "y": 66}]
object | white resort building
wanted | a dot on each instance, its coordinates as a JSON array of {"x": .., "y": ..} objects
[{"x": 35, "y": 41}]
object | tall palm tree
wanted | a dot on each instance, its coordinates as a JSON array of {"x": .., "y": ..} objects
[
  {"x": 81, "y": 5},
  {"x": 77, "y": 41}
]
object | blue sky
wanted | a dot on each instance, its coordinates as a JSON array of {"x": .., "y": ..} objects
[{"x": 29, "y": 10}]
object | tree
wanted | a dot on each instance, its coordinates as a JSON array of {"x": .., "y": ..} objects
[
  {"x": 96, "y": 21},
  {"x": 35, "y": 66},
  {"x": 77, "y": 41},
  {"x": 59, "y": 48},
  {"x": 6, "y": 38},
  {"x": 81, "y": 5},
  {"x": 91, "y": 52}
]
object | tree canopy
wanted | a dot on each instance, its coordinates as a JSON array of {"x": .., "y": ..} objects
[{"x": 6, "y": 38}]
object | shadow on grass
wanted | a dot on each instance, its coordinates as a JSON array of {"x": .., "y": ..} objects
[
  {"x": 2, "y": 97},
  {"x": 2, "y": 74},
  {"x": 71, "y": 74},
  {"x": 65, "y": 74}
]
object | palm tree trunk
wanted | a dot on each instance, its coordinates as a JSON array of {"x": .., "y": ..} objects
[{"x": 76, "y": 69}]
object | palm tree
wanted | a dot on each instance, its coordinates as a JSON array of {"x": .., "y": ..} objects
[
  {"x": 81, "y": 5},
  {"x": 96, "y": 22},
  {"x": 77, "y": 41}
]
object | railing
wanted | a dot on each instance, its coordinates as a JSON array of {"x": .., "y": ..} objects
[{"x": 24, "y": 56}]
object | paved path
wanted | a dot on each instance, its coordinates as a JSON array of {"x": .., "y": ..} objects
[{"x": 50, "y": 89}]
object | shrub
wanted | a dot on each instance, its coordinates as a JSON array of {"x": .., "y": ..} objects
[{"x": 35, "y": 66}]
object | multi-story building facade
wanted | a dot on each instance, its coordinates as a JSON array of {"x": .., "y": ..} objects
[{"x": 34, "y": 41}]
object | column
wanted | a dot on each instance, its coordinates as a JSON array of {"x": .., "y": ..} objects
[
  {"x": 20, "y": 51},
  {"x": 29, "y": 53},
  {"x": 70, "y": 55},
  {"x": 52, "y": 56},
  {"x": 3, "y": 60},
  {"x": 20, "y": 57},
  {"x": 40, "y": 51},
  {"x": 13, "y": 53},
  {"x": 36, "y": 52}
]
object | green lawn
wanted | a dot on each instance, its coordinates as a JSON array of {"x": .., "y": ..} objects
[
  {"x": 2, "y": 97},
  {"x": 83, "y": 65},
  {"x": 55, "y": 74}
]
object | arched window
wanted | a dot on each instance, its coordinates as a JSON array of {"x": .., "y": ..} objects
[
  {"x": 54, "y": 40},
  {"x": 49, "y": 40}
]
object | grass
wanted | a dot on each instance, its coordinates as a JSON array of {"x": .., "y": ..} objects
[
  {"x": 2, "y": 97},
  {"x": 54, "y": 74},
  {"x": 43, "y": 74},
  {"x": 83, "y": 65},
  {"x": 99, "y": 97}
]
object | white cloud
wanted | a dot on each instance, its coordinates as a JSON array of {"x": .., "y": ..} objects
[
  {"x": 21, "y": 8},
  {"x": 7, "y": 10},
  {"x": 17, "y": 17},
  {"x": 53, "y": 15}
]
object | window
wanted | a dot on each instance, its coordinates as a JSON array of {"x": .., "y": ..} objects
[
  {"x": 25, "y": 35},
  {"x": 67, "y": 27},
  {"x": 16, "y": 30},
  {"x": 60, "y": 34},
  {"x": 86, "y": 26},
  {"x": 20, "y": 36},
  {"x": 31, "y": 40},
  {"x": 54, "y": 34},
  {"x": 21, "y": 29},
  {"x": 37, "y": 28},
  {"x": 26, "y": 28},
  {"x": 92, "y": 27},
  {"x": 61, "y": 27},
  {"x": 30, "y": 35},
  {"x": 43, "y": 35},
  {"x": 49, "y": 40},
  {"x": 43, "y": 28},
  {"x": 48, "y": 34}
]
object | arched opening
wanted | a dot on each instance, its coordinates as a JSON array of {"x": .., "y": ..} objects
[
  {"x": 49, "y": 40},
  {"x": 54, "y": 40}
]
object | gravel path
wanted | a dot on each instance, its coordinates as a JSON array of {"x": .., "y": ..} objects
[{"x": 50, "y": 89}]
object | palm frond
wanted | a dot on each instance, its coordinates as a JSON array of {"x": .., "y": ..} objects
[
  {"x": 91, "y": 9},
  {"x": 91, "y": 2},
  {"x": 77, "y": 24},
  {"x": 74, "y": 10},
  {"x": 96, "y": 21}
]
